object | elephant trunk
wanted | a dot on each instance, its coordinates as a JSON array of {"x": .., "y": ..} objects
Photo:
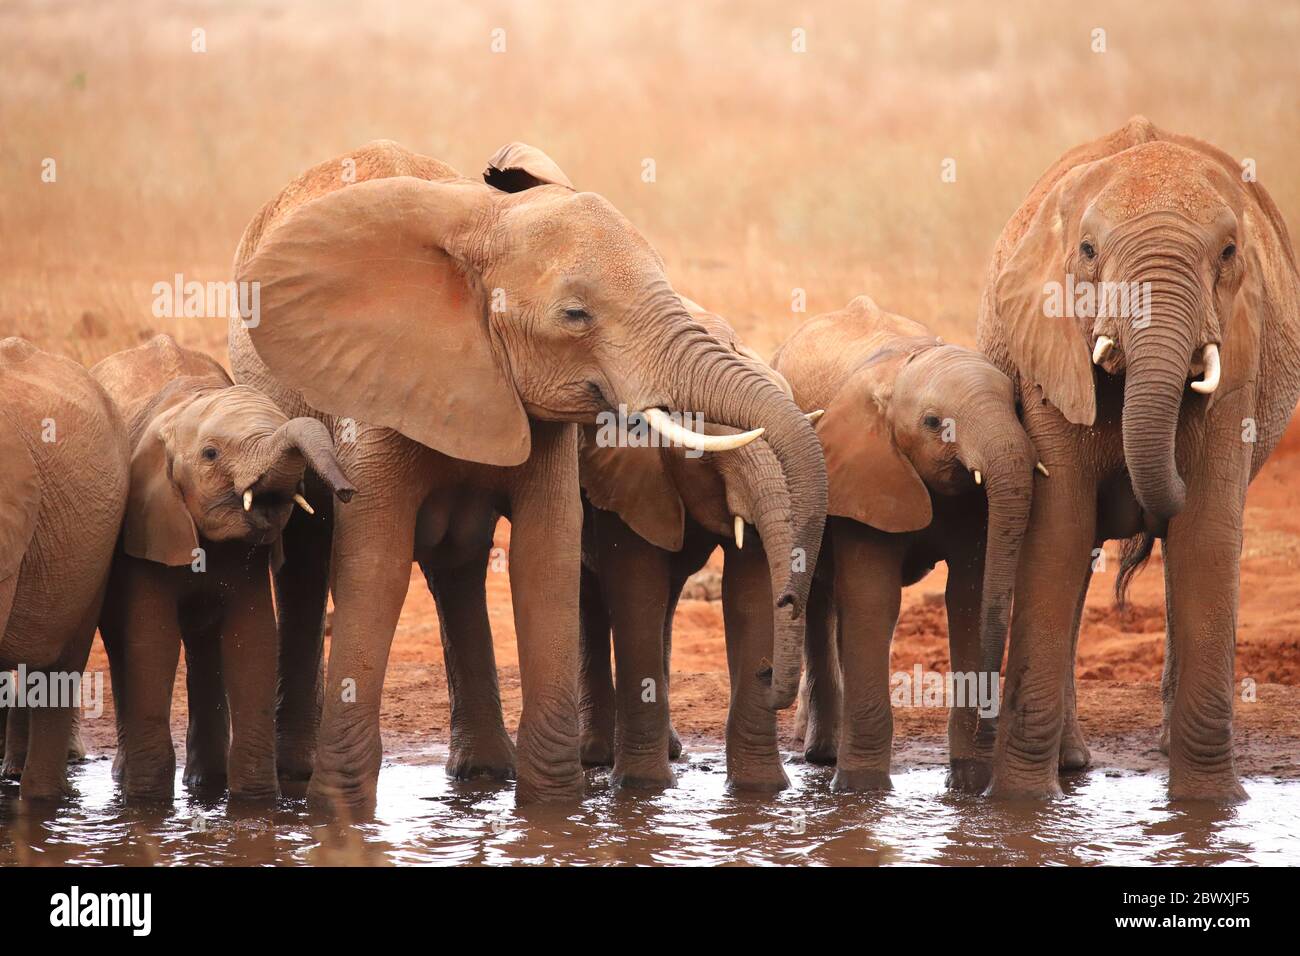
[
  {"x": 1009, "y": 459},
  {"x": 709, "y": 379},
  {"x": 756, "y": 470},
  {"x": 1158, "y": 356},
  {"x": 299, "y": 442}
]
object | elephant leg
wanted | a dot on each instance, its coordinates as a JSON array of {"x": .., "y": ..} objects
[
  {"x": 970, "y": 759},
  {"x": 50, "y": 727},
  {"x": 635, "y": 583},
  {"x": 480, "y": 746},
  {"x": 1055, "y": 561},
  {"x": 151, "y": 644},
  {"x": 45, "y": 771},
  {"x": 250, "y": 649},
  {"x": 301, "y": 592},
  {"x": 1169, "y": 674},
  {"x": 597, "y": 679},
  {"x": 1074, "y": 746},
  {"x": 1202, "y": 552},
  {"x": 753, "y": 749},
  {"x": 868, "y": 592},
  {"x": 675, "y": 586},
  {"x": 112, "y": 631},
  {"x": 207, "y": 738},
  {"x": 546, "y": 549},
  {"x": 373, "y": 547},
  {"x": 17, "y": 733},
  {"x": 820, "y": 693}
]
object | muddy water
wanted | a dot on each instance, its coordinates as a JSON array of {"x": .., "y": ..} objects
[{"x": 422, "y": 818}]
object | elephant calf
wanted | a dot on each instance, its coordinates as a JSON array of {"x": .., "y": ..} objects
[
  {"x": 62, "y": 490},
  {"x": 926, "y": 462},
  {"x": 215, "y": 471},
  {"x": 653, "y": 516}
]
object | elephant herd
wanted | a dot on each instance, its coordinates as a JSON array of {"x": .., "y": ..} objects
[{"x": 434, "y": 353}]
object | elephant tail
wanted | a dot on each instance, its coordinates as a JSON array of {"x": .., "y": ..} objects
[{"x": 1133, "y": 556}]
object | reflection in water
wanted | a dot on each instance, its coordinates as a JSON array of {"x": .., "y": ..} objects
[{"x": 423, "y": 818}]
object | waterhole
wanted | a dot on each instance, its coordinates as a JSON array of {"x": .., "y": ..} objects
[{"x": 424, "y": 818}]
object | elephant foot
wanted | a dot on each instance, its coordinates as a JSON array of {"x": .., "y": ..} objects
[
  {"x": 341, "y": 794},
  {"x": 969, "y": 774},
  {"x": 1016, "y": 791},
  {"x": 597, "y": 750},
  {"x": 1074, "y": 750},
  {"x": 204, "y": 782},
  {"x": 529, "y": 790},
  {"x": 1219, "y": 788},
  {"x": 821, "y": 749},
  {"x": 863, "y": 780},
  {"x": 674, "y": 743},
  {"x": 294, "y": 762},
  {"x": 252, "y": 792},
  {"x": 50, "y": 790},
  {"x": 772, "y": 780},
  {"x": 76, "y": 747},
  {"x": 12, "y": 768},
  {"x": 491, "y": 760},
  {"x": 644, "y": 778}
]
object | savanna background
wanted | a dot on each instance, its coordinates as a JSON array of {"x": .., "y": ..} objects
[{"x": 775, "y": 170}]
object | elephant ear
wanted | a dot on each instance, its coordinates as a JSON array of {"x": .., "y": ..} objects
[
  {"x": 518, "y": 166},
  {"x": 368, "y": 312},
  {"x": 20, "y": 500},
  {"x": 633, "y": 483},
  {"x": 158, "y": 526},
  {"x": 1049, "y": 351},
  {"x": 868, "y": 478}
]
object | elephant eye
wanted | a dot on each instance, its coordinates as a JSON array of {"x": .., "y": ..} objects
[
  {"x": 1229, "y": 251},
  {"x": 1088, "y": 249},
  {"x": 577, "y": 314},
  {"x": 931, "y": 422},
  {"x": 209, "y": 453}
]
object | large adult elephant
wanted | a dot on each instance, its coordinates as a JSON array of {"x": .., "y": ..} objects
[
  {"x": 1145, "y": 300},
  {"x": 452, "y": 332},
  {"x": 63, "y": 489}
]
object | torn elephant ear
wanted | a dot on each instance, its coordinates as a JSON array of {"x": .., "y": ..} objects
[{"x": 518, "y": 166}]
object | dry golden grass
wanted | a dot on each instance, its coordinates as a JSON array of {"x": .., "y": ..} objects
[{"x": 775, "y": 170}]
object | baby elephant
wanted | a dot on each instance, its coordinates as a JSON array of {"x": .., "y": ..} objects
[
  {"x": 653, "y": 517},
  {"x": 63, "y": 480},
  {"x": 215, "y": 471},
  {"x": 926, "y": 462}
]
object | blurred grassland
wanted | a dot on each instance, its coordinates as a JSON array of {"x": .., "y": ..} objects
[{"x": 775, "y": 170}]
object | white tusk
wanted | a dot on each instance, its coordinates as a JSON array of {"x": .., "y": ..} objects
[
  {"x": 740, "y": 531},
  {"x": 1042, "y": 469},
  {"x": 813, "y": 416},
  {"x": 1210, "y": 381},
  {"x": 303, "y": 504},
  {"x": 667, "y": 428},
  {"x": 979, "y": 479},
  {"x": 1101, "y": 348},
  {"x": 248, "y": 500}
]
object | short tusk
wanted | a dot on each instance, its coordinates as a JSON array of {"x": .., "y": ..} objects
[
  {"x": 979, "y": 479},
  {"x": 1101, "y": 348},
  {"x": 304, "y": 505},
  {"x": 813, "y": 416},
  {"x": 1042, "y": 470},
  {"x": 740, "y": 531},
  {"x": 667, "y": 428},
  {"x": 248, "y": 500},
  {"x": 1212, "y": 371}
]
